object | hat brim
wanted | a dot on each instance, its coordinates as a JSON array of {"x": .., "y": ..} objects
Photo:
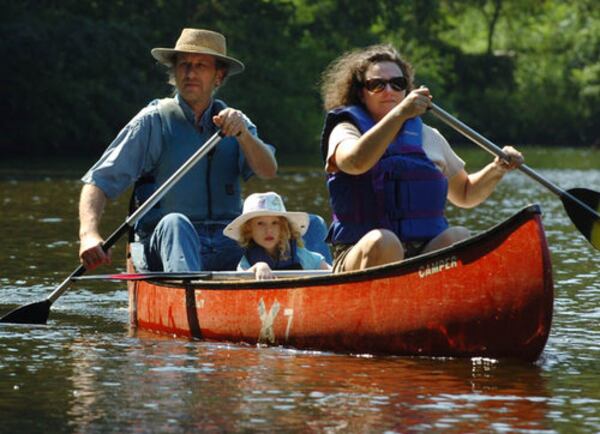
[
  {"x": 298, "y": 220},
  {"x": 166, "y": 55}
]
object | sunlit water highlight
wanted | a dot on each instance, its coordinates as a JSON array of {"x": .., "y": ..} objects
[{"x": 86, "y": 371}]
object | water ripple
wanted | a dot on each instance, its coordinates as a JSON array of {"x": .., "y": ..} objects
[{"x": 86, "y": 371}]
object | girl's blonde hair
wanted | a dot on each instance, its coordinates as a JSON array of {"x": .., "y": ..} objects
[
  {"x": 286, "y": 233},
  {"x": 344, "y": 78}
]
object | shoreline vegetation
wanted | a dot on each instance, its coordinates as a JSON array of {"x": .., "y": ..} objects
[
  {"x": 537, "y": 157},
  {"x": 76, "y": 71}
]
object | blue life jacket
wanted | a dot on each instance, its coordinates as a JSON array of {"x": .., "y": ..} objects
[
  {"x": 404, "y": 192},
  {"x": 210, "y": 191},
  {"x": 256, "y": 253}
]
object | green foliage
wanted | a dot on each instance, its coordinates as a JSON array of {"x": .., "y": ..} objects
[
  {"x": 74, "y": 72},
  {"x": 69, "y": 81},
  {"x": 536, "y": 157}
]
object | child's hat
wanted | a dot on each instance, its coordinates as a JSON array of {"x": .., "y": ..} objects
[{"x": 265, "y": 204}]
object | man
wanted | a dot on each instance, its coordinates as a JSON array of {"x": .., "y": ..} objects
[{"x": 183, "y": 232}]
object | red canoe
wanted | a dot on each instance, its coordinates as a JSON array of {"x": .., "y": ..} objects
[{"x": 489, "y": 296}]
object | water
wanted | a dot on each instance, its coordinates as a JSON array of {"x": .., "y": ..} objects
[{"x": 86, "y": 371}]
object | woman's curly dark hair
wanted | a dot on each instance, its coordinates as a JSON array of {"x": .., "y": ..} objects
[{"x": 343, "y": 79}]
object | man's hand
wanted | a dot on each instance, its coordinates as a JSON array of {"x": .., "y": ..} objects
[
  {"x": 91, "y": 254},
  {"x": 231, "y": 122},
  {"x": 260, "y": 159}
]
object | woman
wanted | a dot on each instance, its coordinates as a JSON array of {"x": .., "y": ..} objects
[{"x": 388, "y": 173}]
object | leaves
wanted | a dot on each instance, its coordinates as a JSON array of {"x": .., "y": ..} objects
[{"x": 74, "y": 72}]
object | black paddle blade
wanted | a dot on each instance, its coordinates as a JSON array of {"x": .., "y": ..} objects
[
  {"x": 32, "y": 313},
  {"x": 586, "y": 220}
]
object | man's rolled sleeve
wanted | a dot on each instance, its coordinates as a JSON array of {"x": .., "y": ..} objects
[
  {"x": 245, "y": 170},
  {"x": 132, "y": 153}
]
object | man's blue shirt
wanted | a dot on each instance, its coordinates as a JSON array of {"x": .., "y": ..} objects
[{"x": 138, "y": 147}]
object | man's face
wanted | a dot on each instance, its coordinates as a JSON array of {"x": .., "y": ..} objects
[{"x": 196, "y": 77}]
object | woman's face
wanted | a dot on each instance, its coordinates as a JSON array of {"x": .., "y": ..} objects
[
  {"x": 266, "y": 232},
  {"x": 380, "y": 101}
]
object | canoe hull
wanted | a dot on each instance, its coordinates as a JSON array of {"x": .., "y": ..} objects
[{"x": 491, "y": 296}]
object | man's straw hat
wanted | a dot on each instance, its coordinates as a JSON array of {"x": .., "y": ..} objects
[{"x": 202, "y": 42}]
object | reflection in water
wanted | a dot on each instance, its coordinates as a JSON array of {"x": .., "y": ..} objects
[
  {"x": 84, "y": 373},
  {"x": 190, "y": 385}
]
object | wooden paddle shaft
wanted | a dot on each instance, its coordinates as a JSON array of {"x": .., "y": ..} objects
[
  {"x": 179, "y": 173},
  {"x": 201, "y": 275},
  {"x": 143, "y": 209},
  {"x": 478, "y": 139}
]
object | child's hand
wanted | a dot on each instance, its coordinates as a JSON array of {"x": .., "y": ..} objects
[{"x": 262, "y": 271}]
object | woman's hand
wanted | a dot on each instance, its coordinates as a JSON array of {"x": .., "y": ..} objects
[
  {"x": 469, "y": 190},
  {"x": 416, "y": 103},
  {"x": 515, "y": 159},
  {"x": 262, "y": 271}
]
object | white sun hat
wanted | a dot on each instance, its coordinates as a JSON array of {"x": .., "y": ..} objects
[{"x": 265, "y": 204}]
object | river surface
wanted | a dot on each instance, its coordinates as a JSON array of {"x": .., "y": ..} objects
[{"x": 86, "y": 371}]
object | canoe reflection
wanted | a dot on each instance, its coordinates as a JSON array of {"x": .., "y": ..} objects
[{"x": 169, "y": 385}]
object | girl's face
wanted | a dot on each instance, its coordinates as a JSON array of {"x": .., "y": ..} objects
[{"x": 266, "y": 232}]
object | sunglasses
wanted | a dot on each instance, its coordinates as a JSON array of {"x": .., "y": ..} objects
[{"x": 377, "y": 85}]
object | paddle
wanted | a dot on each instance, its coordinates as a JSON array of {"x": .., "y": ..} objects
[
  {"x": 582, "y": 205},
  {"x": 200, "y": 275},
  {"x": 37, "y": 312}
]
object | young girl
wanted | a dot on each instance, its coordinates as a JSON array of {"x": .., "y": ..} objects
[{"x": 272, "y": 237}]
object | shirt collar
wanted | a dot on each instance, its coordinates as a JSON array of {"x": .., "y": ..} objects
[{"x": 205, "y": 121}]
